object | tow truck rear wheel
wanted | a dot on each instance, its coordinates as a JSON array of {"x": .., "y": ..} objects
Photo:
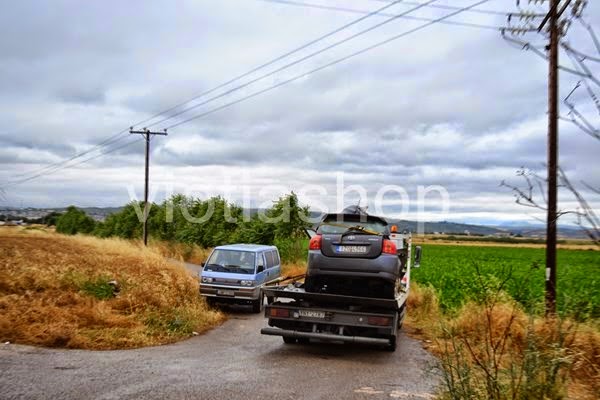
[
  {"x": 391, "y": 347},
  {"x": 288, "y": 340}
]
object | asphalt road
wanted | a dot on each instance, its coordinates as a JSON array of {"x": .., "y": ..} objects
[{"x": 233, "y": 361}]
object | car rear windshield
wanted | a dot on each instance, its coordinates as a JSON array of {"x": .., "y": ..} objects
[
  {"x": 334, "y": 225},
  {"x": 235, "y": 261}
]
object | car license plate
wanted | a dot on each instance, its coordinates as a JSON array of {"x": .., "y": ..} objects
[
  {"x": 225, "y": 292},
  {"x": 351, "y": 249},
  {"x": 311, "y": 314}
]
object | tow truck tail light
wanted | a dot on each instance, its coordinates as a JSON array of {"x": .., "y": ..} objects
[
  {"x": 380, "y": 321},
  {"x": 279, "y": 312},
  {"x": 315, "y": 242},
  {"x": 389, "y": 247}
]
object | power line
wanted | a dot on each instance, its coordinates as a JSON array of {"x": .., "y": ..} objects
[
  {"x": 356, "y": 11},
  {"x": 340, "y": 60},
  {"x": 116, "y": 137},
  {"x": 291, "y": 64},
  {"x": 273, "y": 61},
  {"x": 20, "y": 181},
  {"x": 110, "y": 140},
  {"x": 451, "y": 8}
]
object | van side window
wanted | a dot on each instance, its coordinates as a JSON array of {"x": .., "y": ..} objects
[
  {"x": 260, "y": 261},
  {"x": 276, "y": 257},
  {"x": 270, "y": 259}
]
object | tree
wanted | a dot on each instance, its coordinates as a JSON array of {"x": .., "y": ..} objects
[{"x": 74, "y": 221}]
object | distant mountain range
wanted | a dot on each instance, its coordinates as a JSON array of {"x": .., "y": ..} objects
[{"x": 508, "y": 228}]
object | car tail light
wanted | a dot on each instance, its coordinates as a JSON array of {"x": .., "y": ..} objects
[
  {"x": 315, "y": 242},
  {"x": 279, "y": 312},
  {"x": 389, "y": 247},
  {"x": 380, "y": 321}
]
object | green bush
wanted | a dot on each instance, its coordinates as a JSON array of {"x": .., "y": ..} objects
[{"x": 74, "y": 221}]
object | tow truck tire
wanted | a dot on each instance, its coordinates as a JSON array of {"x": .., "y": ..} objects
[
  {"x": 391, "y": 347},
  {"x": 258, "y": 305},
  {"x": 288, "y": 340}
]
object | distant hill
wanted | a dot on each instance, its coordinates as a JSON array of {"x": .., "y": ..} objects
[
  {"x": 445, "y": 227},
  {"x": 508, "y": 228}
]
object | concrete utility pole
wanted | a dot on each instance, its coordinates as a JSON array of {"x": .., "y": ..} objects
[{"x": 146, "y": 133}]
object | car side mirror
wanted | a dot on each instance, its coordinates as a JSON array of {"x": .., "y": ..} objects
[
  {"x": 202, "y": 264},
  {"x": 418, "y": 252},
  {"x": 260, "y": 269},
  {"x": 310, "y": 233}
]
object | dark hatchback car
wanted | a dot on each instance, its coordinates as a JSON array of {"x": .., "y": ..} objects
[{"x": 351, "y": 254}]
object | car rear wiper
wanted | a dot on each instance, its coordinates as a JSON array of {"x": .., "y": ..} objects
[{"x": 361, "y": 229}]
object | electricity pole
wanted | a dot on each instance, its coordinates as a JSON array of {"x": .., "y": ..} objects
[
  {"x": 555, "y": 29},
  {"x": 146, "y": 133},
  {"x": 552, "y": 18}
]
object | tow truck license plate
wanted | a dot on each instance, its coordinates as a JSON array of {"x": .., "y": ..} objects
[
  {"x": 311, "y": 314},
  {"x": 225, "y": 292},
  {"x": 351, "y": 249}
]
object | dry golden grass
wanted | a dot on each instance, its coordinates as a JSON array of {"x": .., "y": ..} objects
[
  {"x": 502, "y": 336},
  {"x": 54, "y": 291},
  {"x": 191, "y": 253},
  {"x": 291, "y": 270},
  {"x": 569, "y": 245}
]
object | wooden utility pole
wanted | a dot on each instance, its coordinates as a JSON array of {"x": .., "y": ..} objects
[
  {"x": 146, "y": 133},
  {"x": 552, "y": 18},
  {"x": 555, "y": 28},
  {"x": 552, "y": 161}
]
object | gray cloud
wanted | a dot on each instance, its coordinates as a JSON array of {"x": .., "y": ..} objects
[{"x": 446, "y": 106}]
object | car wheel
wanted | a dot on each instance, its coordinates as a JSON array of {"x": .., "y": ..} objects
[{"x": 303, "y": 340}]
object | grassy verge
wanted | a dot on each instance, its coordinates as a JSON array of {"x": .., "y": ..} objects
[
  {"x": 84, "y": 292},
  {"x": 493, "y": 349}
]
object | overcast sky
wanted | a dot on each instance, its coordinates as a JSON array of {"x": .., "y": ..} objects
[{"x": 447, "y": 105}]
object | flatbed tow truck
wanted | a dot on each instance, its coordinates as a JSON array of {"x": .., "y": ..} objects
[{"x": 299, "y": 316}]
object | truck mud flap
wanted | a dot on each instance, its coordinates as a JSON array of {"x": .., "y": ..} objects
[{"x": 324, "y": 336}]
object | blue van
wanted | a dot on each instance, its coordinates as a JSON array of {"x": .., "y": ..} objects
[{"x": 235, "y": 273}]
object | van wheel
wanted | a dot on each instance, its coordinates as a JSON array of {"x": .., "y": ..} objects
[
  {"x": 288, "y": 340},
  {"x": 258, "y": 305},
  {"x": 211, "y": 302}
]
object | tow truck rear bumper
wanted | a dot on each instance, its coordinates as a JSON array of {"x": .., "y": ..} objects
[{"x": 324, "y": 336}]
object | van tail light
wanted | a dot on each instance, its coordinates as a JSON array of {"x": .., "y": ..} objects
[
  {"x": 279, "y": 312},
  {"x": 315, "y": 242},
  {"x": 380, "y": 321},
  {"x": 389, "y": 247}
]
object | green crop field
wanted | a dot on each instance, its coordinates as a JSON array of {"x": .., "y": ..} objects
[{"x": 453, "y": 272}]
